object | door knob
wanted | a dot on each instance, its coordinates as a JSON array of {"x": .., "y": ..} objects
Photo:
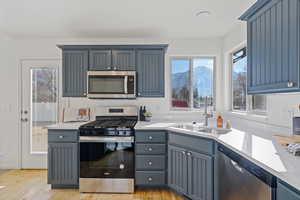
[
  {"x": 150, "y": 137},
  {"x": 150, "y": 163},
  {"x": 188, "y": 153},
  {"x": 149, "y": 149},
  {"x": 149, "y": 179}
]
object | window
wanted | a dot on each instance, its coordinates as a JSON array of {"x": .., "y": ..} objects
[
  {"x": 192, "y": 81},
  {"x": 240, "y": 100}
]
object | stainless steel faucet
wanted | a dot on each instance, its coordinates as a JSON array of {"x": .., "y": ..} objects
[{"x": 206, "y": 114}]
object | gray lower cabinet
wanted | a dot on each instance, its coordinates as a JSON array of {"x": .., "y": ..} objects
[
  {"x": 177, "y": 169},
  {"x": 151, "y": 158},
  {"x": 191, "y": 166},
  {"x": 74, "y": 72},
  {"x": 63, "y": 159},
  {"x": 285, "y": 192},
  {"x": 150, "y": 73}
]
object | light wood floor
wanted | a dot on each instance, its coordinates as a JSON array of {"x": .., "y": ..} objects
[{"x": 32, "y": 185}]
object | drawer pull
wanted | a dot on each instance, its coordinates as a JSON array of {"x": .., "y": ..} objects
[
  {"x": 61, "y": 137},
  {"x": 150, "y": 179},
  {"x": 149, "y": 163},
  {"x": 149, "y": 149},
  {"x": 150, "y": 137}
]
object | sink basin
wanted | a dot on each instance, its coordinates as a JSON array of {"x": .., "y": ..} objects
[{"x": 203, "y": 129}]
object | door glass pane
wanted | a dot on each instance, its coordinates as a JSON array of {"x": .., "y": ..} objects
[
  {"x": 203, "y": 80},
  {"x": 180, "y": 83},
  {"x": 44, "y": 106},
  {"x": 239, "y": 80},
  {"x": 106, "y": 84}
]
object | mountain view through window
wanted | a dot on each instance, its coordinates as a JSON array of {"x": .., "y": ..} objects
[{"x": 192, "y": 82}]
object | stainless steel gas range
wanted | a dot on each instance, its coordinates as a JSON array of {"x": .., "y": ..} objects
[{"x": 107, "y": 151}]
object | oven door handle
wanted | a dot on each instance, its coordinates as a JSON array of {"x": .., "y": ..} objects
[{"x": 105, "y": 139}]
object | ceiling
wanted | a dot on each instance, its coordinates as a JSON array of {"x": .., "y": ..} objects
[{"x": 119, "y": 18}]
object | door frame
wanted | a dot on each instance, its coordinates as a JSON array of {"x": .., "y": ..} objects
[{"x": 20, "y": 99}]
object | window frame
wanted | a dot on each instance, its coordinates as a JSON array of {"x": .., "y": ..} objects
[
  {"x": 249, "y": 101},
  {"x": 191, "y": 82}
]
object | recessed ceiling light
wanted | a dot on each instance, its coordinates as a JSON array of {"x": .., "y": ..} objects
[{"x": 203, "y": 13}]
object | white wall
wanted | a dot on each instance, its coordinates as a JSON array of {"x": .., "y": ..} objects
[
  {"x": 9, "y": 143},
  {"x": 14, "y": 50},
  {"x": 279, "y": 106}
]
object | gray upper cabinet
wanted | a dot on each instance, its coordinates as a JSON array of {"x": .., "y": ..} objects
[
  {"x": 273, "y": 46},
  {"x": 63, "y": 164},
  {"x": 150, "y": 73},
  {"x": 75, "y": 66},
  {"x": 123, "y": 60},
  {"x": 100, "y": 60},
  {"x": 284, "y": 192}
]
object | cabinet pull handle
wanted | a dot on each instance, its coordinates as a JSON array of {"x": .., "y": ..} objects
[
  {"x": 149, "y": 149},
  {"x": 149, "y": 163},
  {"x": 183, "y": 152},
  {"x": 290, "y": 84},
  {"x": 188, "y": 153},
  {"x": 150, "y": 179},
  {"x": 61, "y": 137},
  {"x": 150, "y": 137},
  {"x": 115, "y": 68}
]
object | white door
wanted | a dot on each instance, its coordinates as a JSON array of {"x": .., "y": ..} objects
[{"x": 39, "y": 108}]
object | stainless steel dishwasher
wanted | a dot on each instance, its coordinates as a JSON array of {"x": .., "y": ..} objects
[{"x": 240, "y": 179}]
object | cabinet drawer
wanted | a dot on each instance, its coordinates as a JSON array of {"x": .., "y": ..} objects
[
  {"x": 150, "y": 136},
  {"x": 193, "y": 143},
  {"x": 150, "y": 149},
  {"x": 150, "y": 178},
  {"x": 62, "y": 136},
  {"x": 150, "y": 162}
]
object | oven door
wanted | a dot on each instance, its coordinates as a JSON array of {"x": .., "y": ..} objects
[
  {"x": 107, "y": 164},
  {"x": 111, "y": 84}
]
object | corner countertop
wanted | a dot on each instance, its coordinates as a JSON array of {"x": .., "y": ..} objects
[{"x": 258, "y": 146}]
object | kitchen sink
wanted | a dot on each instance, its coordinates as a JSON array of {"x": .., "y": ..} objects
[{"x": 203, "y": 129}]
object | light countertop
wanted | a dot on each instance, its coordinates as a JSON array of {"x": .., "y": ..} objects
[{"x": 257, "y": 146}]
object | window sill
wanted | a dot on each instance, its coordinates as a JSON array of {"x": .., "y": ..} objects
[{"x": 249, "y": 116}]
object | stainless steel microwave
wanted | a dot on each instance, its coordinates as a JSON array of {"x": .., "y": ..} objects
[{"x": 111, "y": 84}]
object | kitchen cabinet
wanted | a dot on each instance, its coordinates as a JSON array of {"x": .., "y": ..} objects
[
  {"x": 146, "y": 60},
  {"x": 273, "y": 46},
  {"x": 63, "y": 159},
  {"x": 123, "y": 60},
  {"x": 150, "y": 73},
  {"x": 191, "y": 172},
  {"x": 116, "y": 60},
  {"x": 285, "y": 192},
  {"x": 100, "y": 60},
  {"x": 150, "y": 158},
  {"x": 74, "y": 73}
]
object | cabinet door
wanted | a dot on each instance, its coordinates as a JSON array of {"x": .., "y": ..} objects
[
  {"x": 75, "y": 66},
  {"x": 100, "y": 60},
  {"x": 200, "y": 176},
  {"x": 284, "y": 193},
  {"x": 63, "y": 164},
  {"x": 150, "y": 73},
  {"x": 273, "y": 51},
  {"x": 123, "y": 60},
  {"x": 177, "y": 169}
]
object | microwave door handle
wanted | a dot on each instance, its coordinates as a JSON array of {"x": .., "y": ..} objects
[{"x": 125, "y": 84}]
